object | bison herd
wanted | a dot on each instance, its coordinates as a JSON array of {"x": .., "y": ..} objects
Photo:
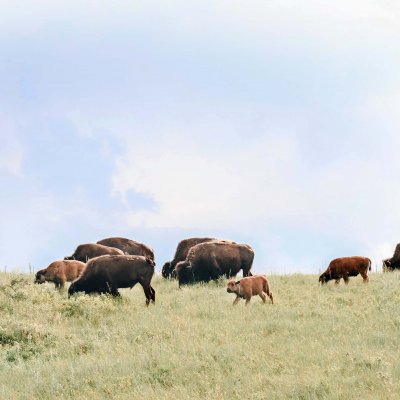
[{"x": 114, "y": 263}]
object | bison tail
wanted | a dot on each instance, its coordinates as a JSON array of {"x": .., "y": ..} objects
[
  {"x": 369, "y": 268},
  {"x": 150, "y": 261}
]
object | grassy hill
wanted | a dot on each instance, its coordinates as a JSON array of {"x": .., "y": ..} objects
[{"x": 332, "y": 342}]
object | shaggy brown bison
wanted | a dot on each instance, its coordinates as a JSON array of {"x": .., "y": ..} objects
[
  {"x": 345, "y": 267},
  {"x": 60, "y": 272},
  {"x": 128, "y": 246},
  {"x": 250, "y": 286},
  {"x": 105, "y": 274},
  {"x": 182, "y": 251},
  {"x": 211, "y": 260},
  {"x": 87, "y": 251},
  {"x": 390, "y": 264}
]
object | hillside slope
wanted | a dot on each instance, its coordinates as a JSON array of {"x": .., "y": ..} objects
[{"x": 332, "y": 342}]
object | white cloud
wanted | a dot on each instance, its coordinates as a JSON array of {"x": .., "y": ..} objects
[
  {"x": 215, "y": 178},
  {"x": 208, "y": 180}
]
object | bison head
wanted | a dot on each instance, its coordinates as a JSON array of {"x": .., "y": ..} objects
[
  {"x": 75, "y": 287},
  {"x": 184, "y": 272},
  {"x": 167, "y": 269},
  {"x": 386, "y": 264},
  {"x": 232, "y": 286},
  {"x": 39, "y": 277},
  {"x": 323, "y": 278}
]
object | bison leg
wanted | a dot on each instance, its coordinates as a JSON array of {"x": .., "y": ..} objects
[
  {"x": 153, "y": 294},
  {"x": 246, "y": 272},
  {"x": 269, "y": 294},
  {"x": 263, "y": 297},
  {"x": 271, "y": 297},
  {"x": 346, "y": 279},
  {"x": 59, "y": 284},
  {"x": 337, "y": 281},
  {"x": 148, "y": 294},
  {"x": 236, "y": 301},
  {"x": 114, "y": 292},
  {"x": 365, "y": 277},
  {"x": 248, "y": 300}
]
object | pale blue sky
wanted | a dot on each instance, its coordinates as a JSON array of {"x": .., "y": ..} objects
[{"x": 260, "y": 121}]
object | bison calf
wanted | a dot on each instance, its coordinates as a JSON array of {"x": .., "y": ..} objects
[
  {"x": 60, "y": 272},
  {"x": 250, "y": 286},
  {"x": 345, "y": 267}
]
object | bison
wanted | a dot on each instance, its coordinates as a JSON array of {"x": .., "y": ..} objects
[
  {"x": 87, "y": 251},
  {"x": 105, "y": 274},
  {"x": 60, "y": 272},
  {"x": 128, "y": 246},
  {"x": 345, "y": 267},
  {"x": 211, "y": 260},
  {"x": 392, "y": 263},
  {"x": 250, "y": 286},
  {"x": 181, "y": 252}
]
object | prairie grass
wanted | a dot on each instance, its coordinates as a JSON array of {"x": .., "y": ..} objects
[{"x": 332, "y": 342}]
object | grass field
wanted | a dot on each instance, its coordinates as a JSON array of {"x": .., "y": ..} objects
[{"x": 332, "y": 342}]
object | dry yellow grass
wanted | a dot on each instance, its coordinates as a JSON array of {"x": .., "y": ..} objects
[{"x": 333, "y": 342}]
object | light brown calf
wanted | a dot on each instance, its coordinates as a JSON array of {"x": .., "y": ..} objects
[
  {"x": 60, "y": 272},
  {"x": 250, "y": 286}
]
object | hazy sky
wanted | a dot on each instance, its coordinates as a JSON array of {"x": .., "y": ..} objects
[{"x": 268, "y": 122}]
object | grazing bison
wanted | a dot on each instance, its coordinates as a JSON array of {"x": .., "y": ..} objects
[
  {"x": 105, "y": 274},
  {"x": 60, "y": 272},
  {"x": 87, "y": 251},
  {"x": 128, "y": 246},
  {"x": 390, "y": 264},
  {"x": 345, "y": 267},
  {"x": 182, "y": 251},
  {"x": 248, "y": 287},
  {"x": 211, "y": 260}
]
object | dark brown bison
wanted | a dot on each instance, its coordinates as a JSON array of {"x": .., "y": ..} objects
[
  {"x": 250, "y": 286},
  {"x": 211, "y": 260},
  {"x": 181, "y": 253},
  {"x": 60, "y": 272},
  {"x": 390, "y": 264},
  {"x": 105, "y": 274},
  {"x": 87, "y": 251},
  {"x": 128, "y": 246},
  {"x": 345, "y": 267}
]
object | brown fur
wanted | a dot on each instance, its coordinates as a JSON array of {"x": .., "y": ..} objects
[
  {"x": 256, "y": 285},
  {"x": 105, "y": 274},
  {"x": 345, "y": 267},
  {"x": 60, "y": 272},
  {"x": 182, "y": 251},
  {"x": 85, "y": 252},
  {"x": 208, "y": 261},
  {"x": 128, "y": 246}
]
